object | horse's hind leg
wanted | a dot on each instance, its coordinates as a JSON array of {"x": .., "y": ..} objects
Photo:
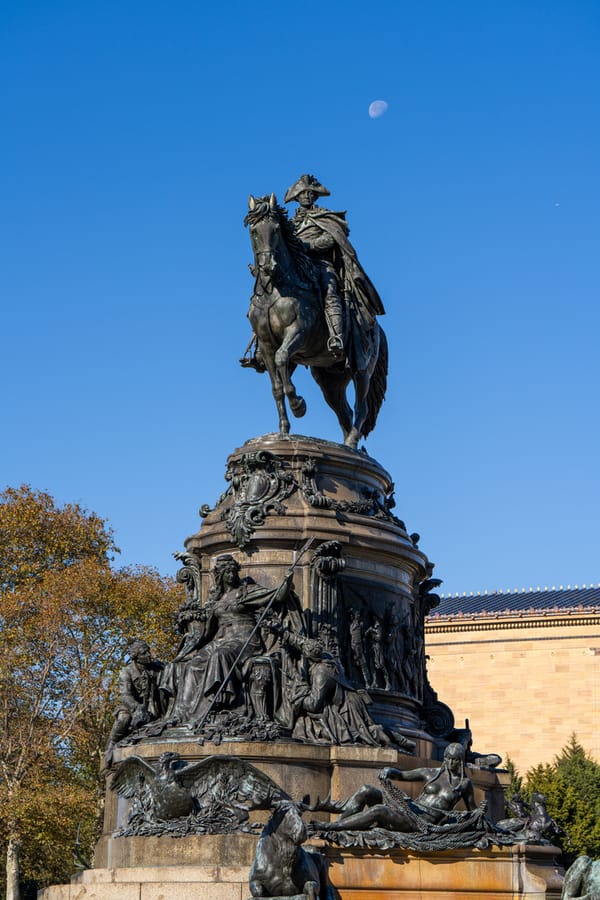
[
  {"x": 285, "y": 367},
  {"x": 361, "y": 408},
  {"x": 333, "y": 385}
]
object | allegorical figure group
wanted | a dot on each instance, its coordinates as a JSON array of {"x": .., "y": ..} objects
[{"x": 247, "y": 651}]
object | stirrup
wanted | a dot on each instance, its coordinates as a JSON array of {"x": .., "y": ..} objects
[
  {"x": 252, "y": 358},
  {"x": 253, "y": 362}
]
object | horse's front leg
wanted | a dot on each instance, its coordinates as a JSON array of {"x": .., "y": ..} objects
[
  {"x": 292, "y": 340},
  {"x": 278, "y": 392}
]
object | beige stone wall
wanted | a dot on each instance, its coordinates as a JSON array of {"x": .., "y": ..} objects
[{"x": 525, "y": 684}]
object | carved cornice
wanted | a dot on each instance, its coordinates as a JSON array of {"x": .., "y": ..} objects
[{"x": 463, "y": 624}]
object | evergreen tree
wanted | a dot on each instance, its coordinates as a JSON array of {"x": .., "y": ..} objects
[
  {"x": 572, "y": 788},
  {"x": 516, "y": 782}
]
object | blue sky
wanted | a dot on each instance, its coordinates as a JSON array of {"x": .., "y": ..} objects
[{"x": 132, "y": 134}]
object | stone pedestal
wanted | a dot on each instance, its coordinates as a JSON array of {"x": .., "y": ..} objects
[
  {"x": 518, "y": 873},
  {"x": 285, "y": 489},
  {"x": 282, "y": 491},
  {"x": 299, "y": 769},
  {"x": 506, "y": 874},
  {"x": 215, "y": 867}
]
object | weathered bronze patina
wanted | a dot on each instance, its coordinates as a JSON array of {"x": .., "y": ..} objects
[
  {"x": 302, "y": 646},
  {"x": 314, "y": 305}
]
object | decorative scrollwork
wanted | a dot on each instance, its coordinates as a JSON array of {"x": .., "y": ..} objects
[
  {"x": 259, "y": 482},
  {"x": 310, "y": 491},
  {"x": 373, "y": 503},
  {"x": 437, "y": 717},
  {"x": 190, "y": 575},
  {"x": 327, "y": 559}
]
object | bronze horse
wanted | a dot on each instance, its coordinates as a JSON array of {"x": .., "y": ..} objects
[{"x": 288, "y": 319}]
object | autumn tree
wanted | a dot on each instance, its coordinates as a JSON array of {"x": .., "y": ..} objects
[{"x": 66, "y": 617}]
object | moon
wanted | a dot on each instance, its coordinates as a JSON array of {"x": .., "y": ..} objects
[{"x": 377, "y": 108}]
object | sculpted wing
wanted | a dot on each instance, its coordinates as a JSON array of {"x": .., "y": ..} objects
[
  {"x": 131, "y": 776},
  {"x": 233, "y": 778}
]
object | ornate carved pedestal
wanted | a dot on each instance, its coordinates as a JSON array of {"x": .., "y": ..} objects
[
  {"x": 284, "y": 490},
  {"x": 364, "y": 588},
  {"x": 215, "y": 867}
]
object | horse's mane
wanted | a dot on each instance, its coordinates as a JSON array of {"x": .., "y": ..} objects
[{"x": 305, "y": 265}]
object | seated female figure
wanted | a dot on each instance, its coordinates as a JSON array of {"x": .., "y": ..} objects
[{"x": 207, "y": 665}]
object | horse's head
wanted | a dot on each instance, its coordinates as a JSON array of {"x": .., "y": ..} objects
[
  {"x": 263, "y": 221},
  {"x": 286, "y": 822},
  {"x": 169, "y": 765},
  {"x": 280, "y": 257}
]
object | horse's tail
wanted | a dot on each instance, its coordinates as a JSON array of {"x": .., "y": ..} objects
[{"x": 377, "y": 385}]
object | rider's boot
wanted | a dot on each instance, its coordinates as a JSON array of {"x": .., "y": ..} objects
[
  {"x": 335, "y": 324},
  {"x": 253, "y": 360},
  {"x": 258, "y": 362}
]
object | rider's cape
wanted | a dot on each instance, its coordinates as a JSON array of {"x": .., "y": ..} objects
[
  {"x": 360, "y": 294},
  {"x": 353, "y": 277}
]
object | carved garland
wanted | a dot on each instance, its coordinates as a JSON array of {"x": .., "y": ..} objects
[{"x": 371, "y": 505}]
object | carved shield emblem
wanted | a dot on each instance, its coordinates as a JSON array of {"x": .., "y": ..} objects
[{"x": 259, "y": 484}]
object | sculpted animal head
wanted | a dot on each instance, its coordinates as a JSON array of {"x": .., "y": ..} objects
[
  {"x": 263, "y": 221},
  {"x": 168, "y": 763},
  {"x": 286, "y": 822},
  {"x": 518, "y": 806}
]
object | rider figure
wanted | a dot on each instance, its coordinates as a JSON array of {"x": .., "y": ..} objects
[
  {"x": 321, "y": 245},
  {"x": 350, "y": 299},
  {"x": 325, "y": 235}
]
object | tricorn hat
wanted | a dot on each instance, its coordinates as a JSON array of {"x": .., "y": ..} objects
[{"x": 305, "y": 183}]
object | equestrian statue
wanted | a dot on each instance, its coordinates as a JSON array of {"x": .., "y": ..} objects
[{"x": 314, "y": 305}]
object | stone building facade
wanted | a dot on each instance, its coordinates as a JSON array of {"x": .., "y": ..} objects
[{"x": 523, "y": 667}]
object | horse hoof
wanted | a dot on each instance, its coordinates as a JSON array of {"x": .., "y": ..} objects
[
  {"x": 284, "y": 428},
  {"x": 298, "y": 407},
  {"x": 351, "y": 439}
]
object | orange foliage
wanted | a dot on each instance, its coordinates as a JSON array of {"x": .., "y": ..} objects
[{"x": 66, "y": 619}]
